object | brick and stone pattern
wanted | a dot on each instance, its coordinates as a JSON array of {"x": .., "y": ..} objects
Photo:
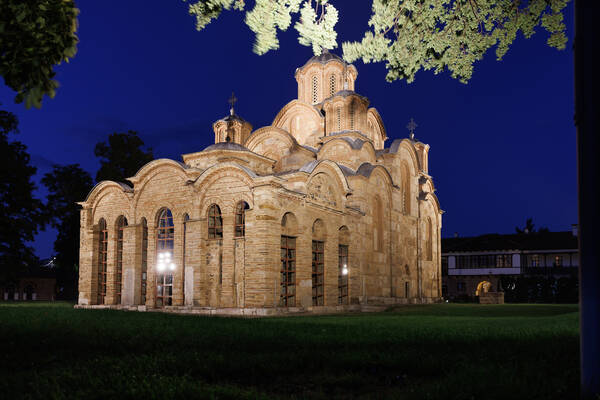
[{"x": 321, "y": 166}]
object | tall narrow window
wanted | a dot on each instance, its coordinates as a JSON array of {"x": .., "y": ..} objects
[
  {"x": 428, "y": 240},
  {"x": 404, "y": 177},
  {"x": 315, "y": 90},
  {"x": 331, "y": 85},
  {"x": 240, "y": 218},
  {"x": 215, "y": 222},
  {"x": 343, "y": 274},
  {"x": 318, "y": 284},
  {"x": 144, "y": 261},
  {"x": 288, "y": 271},
  {"x": 407, "y": 289},
  {"x": 352, "y": 115},
  {"x": 121, "y": 224},
  {"x": 165, "y": 241},
  {"x": 102, "y": 258},
  {"x": 338, "y": 114}
]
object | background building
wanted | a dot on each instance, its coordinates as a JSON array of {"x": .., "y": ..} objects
[{"x": 540, "y": 266}]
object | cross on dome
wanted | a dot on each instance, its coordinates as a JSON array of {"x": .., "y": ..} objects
[
  {"x": 232, "y": 101},
  {"x": 411, "y": 127}
]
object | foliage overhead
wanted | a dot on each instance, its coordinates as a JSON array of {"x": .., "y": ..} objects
[
  {"x": 121, "y": 157},
  {"x": 408, "y": 35},
  {"x": 35, "y": 35},
  {"x": 21, "y": 214},
  {"x": 66, "y": 186}
]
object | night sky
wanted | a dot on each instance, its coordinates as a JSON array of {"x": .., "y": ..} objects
[{"x": 502, "y": 146}]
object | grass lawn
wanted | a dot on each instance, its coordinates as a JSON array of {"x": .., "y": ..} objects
[{"x": 444, "y": 351}]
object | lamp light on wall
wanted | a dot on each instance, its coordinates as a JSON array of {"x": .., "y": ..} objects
[{"x": 165, "y": 262}]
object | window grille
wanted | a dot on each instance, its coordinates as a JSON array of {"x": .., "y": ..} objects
[
  {"x": 240, "y": 219},
  {"x": 315, "y": 88},
  {"x": 288, "y": 271},
  {"x": 332, "y": 85},
  {"x": 352, "y": 116},
  {"x": 342, "y": 274},
  {"x": 144, "y": 261},
  {"x": 102, "y": 258},
  {"x": 215, "y": 222},
  {"x": 165, "y": 241},
  {"x": 318, "y": 283},
  {"x": 338, "y": 113},
  {"x": 121, "y": 224}
]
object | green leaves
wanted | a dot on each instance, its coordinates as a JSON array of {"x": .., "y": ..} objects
[
  {"x": 450, "y": 34},
  {"x": 35, "y": 35},
  {"x": 407, "y": 35},
  {"x": 315, "y": 26}
]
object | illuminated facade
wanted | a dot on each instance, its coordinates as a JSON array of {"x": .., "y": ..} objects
[{"x": 312, "y": 212}]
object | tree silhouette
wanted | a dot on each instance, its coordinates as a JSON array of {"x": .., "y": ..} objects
[
  {"x": 66, "y": 186},
  {"x": 21, "y": 214},
  {"x": 121, "y": 156}
]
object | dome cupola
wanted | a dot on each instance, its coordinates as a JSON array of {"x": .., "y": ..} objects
[
  {"x": 324, "y": 75},
  {"x": 232, "y": 128}
]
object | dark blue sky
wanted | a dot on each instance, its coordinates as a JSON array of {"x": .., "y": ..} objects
[{"x": 502, "y": 146}]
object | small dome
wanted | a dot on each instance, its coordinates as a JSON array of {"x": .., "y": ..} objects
[{"x": 226, "y": 146}]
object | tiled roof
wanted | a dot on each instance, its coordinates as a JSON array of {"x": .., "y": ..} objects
[
  {"x": 226, "y": 146},
  {"x": 497, "y": 242},
  {"x": 324, "y": 58}
]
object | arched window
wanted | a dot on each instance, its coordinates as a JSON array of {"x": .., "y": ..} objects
[
  {"x": 144, "y": 261},
  {"x": 165, "y": 265},
  {"x": 215, "y": 222},
  {"x": 428, "y": 240},
  {"x": 343, "y": 242},
  {"x": 338, "y": 114},
  {"x": 318, "y": 263},
  {"x": 405, "y": 184},
  {"x": 240, "y": 219},
  {"x": 315, "y": 90},
  {"x": 121, "y": 224},
  {"x": 102, "y": 259},
  {"x": 352, "y": 106},
  {"x": 331, "y": 85},
  {"x": 289, "y": 227}
]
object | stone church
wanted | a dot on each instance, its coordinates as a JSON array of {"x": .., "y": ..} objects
[{"x": 312, "y": 212}]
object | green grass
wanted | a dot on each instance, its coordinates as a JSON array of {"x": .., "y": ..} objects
[{"x": 446, "y": 351}]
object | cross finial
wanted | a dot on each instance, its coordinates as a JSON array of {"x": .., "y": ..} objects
[
  {"x": 232, "y": 101},
  {"x": 411, "y": 128}
]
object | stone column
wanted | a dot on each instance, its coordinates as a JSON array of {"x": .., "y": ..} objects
[
  {"x": 192, "y": 261},
  {"x": 263, "y": 241},
  {"x": 304, "y": 261},
  {"x": 239, "y": 264},
  {"x": 88, "y": 263},
  {"x": 227, "y": 263},
  {"x": 178, "y": 274},
  {"x": 331, "y": 265},
  {"x": 111, "y": 264},
  {"x": 132, "y": 265},
  {"x": 151, "y": 277}
]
